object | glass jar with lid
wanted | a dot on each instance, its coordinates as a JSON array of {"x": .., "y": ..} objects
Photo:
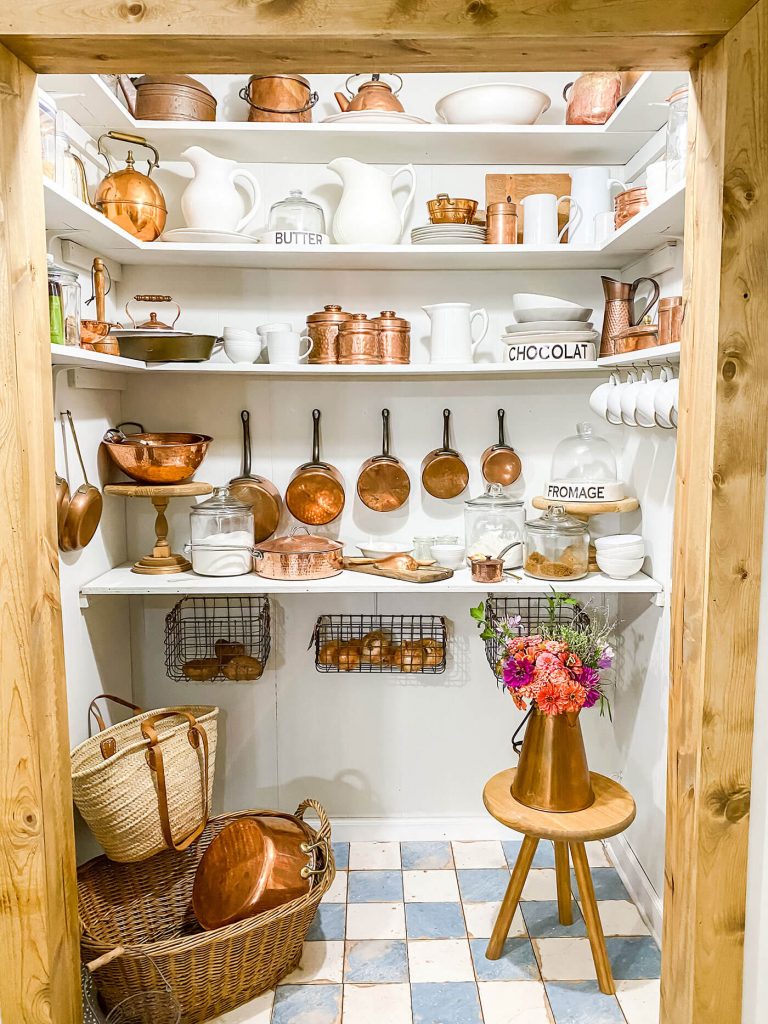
[
  {"x": 556, "y": 546},
  {"x": 63, "y": 305},
  {"x": 584, "y": 469},
  {"x": 296, "y": 213},
  {"x": 494, "y": 522},
  {"x": 677, "y": 137},
  {"x": 221, "y": 533}
]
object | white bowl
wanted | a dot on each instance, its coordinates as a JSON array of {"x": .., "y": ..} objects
[
  {"x": 620, "y": 568},
  {"x": 241, "y": 351},
  {"x": 548, "y": 326},
  {"x": 553, "y": 314},
  {"x": 450, "y": 556},
  {"x": 383, "y": 549},
  {"x": 496, "y": 103},
  {"x": 619, "y": 542},
  {"x": 530, "y": 300}
]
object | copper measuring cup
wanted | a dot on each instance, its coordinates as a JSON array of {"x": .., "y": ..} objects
[
  {"x": 383, "y": 483},
  {"x": 256, "y": 491},
  {"x": 444, "y": 473},
  {"x": 500, "y": 464},
  {"x": 315, "y": 494}
]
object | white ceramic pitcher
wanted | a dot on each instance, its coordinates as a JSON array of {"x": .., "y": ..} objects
[
  {"x": 592, "y": 188},
  {"x": 211, "y": 201},
  {"x": 451, "y": 339},
  {"x": 367, "y": 213}
]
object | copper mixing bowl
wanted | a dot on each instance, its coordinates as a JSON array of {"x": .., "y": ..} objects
[{"x": 158, "y": 458}]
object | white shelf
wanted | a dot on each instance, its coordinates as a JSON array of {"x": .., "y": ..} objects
[
  {"x": 71, "y": 218},
  {"x": 645, "y": 357},
  {"x": 122, "y": 581},
  {"x": 88, "y": 100}
]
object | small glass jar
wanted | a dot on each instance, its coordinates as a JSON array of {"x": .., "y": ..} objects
[
  {"x": 677, "y": 137},
  {"x": 296, "y": 213},
  {"x": 63, "y": 305},
  {"x": 221, "y": 533},
  {"x": 422, "y": 549},
  {"x": 556, "y": 546},
  {"x": 494, "y": 522}
]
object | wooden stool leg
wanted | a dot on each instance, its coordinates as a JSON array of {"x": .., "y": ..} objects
[
  {"x": 511, "y": 898},
  {"x": 563, "y": 875},
  {"x": 592, "y": 919}
]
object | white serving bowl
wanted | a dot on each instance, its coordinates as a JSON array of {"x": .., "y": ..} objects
[
  {"x": 553, "y": 313},
  {"x": 450, "y": 556},
  {"x": 383, "y": 549},
  {"x": 621, "y": 545},
  {"x": 241, "y": 351},
  {"x": 496, "y": 103},
  {"x": 620, "y": 568},
  {"x": 548, "y": 326},
  {"x": 529, "y": 300}
]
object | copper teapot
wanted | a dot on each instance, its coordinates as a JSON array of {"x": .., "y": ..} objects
[
  {"x": 127, "y": 197},
  {"x": 371, "y": 95}
]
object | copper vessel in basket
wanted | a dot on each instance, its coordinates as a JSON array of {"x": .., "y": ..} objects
[{"x": 394, "y": 338}]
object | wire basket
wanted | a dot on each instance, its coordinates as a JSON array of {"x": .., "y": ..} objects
[
  {"x": 534, "y": 613},
  {"x": 380, "y": 643},
  {"x": 208, "y": 638}
]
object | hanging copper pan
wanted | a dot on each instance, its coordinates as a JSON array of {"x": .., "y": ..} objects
[
  {"x": 500, "y": 464},
  {"x": 444, "y": 473},
  {"x": 383, "y": 483},
  {"x": 256, "y": 491},
  {"x": 315, "y": 494},
  {"x": 83, "y": 512}
]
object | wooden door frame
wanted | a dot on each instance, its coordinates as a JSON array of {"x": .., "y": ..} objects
[{"x": 722, "y": 436}]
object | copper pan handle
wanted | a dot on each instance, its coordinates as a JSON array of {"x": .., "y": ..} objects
[
  {"x": 502, "y": 442},
  {"x": 245, "y": 416},
  {"x": 315, "y": 435},
  {"x": 385, "y": 433},
  {"x": 446, "y": 429}
]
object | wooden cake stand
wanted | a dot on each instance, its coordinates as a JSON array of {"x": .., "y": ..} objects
[
  {"x": 162, "y": 561},
  {"x": 584, "y": 510}
]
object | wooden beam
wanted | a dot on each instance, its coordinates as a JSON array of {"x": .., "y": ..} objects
[
  {"x": 719, "y": 515},
  {"x": 39, "y": 948},
  {"x": 317, "y": 36}
]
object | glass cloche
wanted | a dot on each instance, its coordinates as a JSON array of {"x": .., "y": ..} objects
[
  {"x": 494, "y": 522},
  {"x": 584, "y": 469},
  {"x": 297, "y": 213}
]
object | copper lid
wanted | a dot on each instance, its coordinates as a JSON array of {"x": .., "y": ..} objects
[
  {"x": 670, "y": 301},
  {"x": 638, "y": 331},
  {"x": 501, "y": 209},
  {"x": 293, "y": 78},
  {"x": 329, "y": 314},
  {"x": 183, "y": 80},
  {"x": 389, "y": 319},
  {"x": 300, "y": 543},
  {"x": 358, "y": 323}
]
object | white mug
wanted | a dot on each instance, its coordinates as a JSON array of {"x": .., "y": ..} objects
[
  {"x": 629, "y": 397},
  {"x": 665, "y": 404},
  {"x": 656, "y": 181},
  {"x": 598, "y": 400},
  {"x": 592, "y": 190},
  {"x": 285, "y": 346},
  {"x": 613, "y": 410},
  {"x": 645, "y": 409},
  {"x": 605, "y": 226},
  {"x": 540, "y": 218}
]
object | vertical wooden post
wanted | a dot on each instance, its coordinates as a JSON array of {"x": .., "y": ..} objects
[
  {"x": 718, "y": 530},
  {"x": 39, "y": 980}
]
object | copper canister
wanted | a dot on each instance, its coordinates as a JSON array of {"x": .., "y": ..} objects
[
  {"x": 394, "y": 337},
  {"x": 501, "y": 224},
  {"x": 359, "y": 340},
  {"x": 628, "y": 204},
  {"x": 279, "y": 98},
  {"x": 323, "y": 329},
  {"x": 670, "y": 319}
]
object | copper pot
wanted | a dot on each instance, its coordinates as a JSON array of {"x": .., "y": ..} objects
[
  {"x": 487, "y": 570},
  {"x": 638, "y": 336},
  {"x": 371, "y": 95},
  {"x": 444, "y": 473},
  {"x": 315, "y": 494},
  {"x": 444, "y": 210},
  {"x": 279, "y": 98},
  {"x": 323, "y": 329},
  {"x": 168, "y": 98},
  {"x": 299, "y": 556},
  {"x": 169, "y": 458},
  {"x": 253, "y": 865},
  {"x": 359, "y": 341},
  {"x": 256, "y": 491},
  {"x": 628, "y": 204},
  {"x": 383, "y": 483},
  {"x": 593, "y": 97},
  {"x": 394, "y": 338},
  {"x": 500, "y": 463}
]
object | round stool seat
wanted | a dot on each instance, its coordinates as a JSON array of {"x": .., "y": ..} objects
[{"x": 612, "y": 812}]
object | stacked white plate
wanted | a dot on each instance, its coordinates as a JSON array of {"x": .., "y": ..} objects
[
  {"x": 373, "y": 117},
  {"x": 449, "y": 234}
]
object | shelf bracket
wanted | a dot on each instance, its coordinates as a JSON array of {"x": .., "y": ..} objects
[
  {"x": 659, "y": 599},
  {"x": 83, "y": 601},
  {"x": 95, "y": 380}
]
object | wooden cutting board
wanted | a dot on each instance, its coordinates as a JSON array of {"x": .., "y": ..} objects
[
  {"x": 518, "y": 186},
  {"x": 429, "y": 574}
]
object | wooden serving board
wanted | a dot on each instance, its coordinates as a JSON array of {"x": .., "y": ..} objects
[
  {"x": 518, "y": 186},
  {"x": 426, "y": 575}
]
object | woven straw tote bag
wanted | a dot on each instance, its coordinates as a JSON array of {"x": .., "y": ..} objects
[{"x": 145, "y": 785}]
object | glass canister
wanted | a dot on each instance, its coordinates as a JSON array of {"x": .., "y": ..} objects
[
  {"x": 221, "y": 534},
  {"x": 296, "y": 213},
  {"x": 556, "y": 546},
  {"x": 63, "y": 305},
  {"x": 359, "y": 341},
  {"x": 323, "y": 329},
  {"x": 492, "y": 522},
  {"x": 677, "y": 136},
  {"x": 394, "y": 337}
]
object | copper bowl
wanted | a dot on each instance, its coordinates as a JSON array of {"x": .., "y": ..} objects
[
  {"x": 444, "y": 210},
  {"x": 253, "y": 865},
  {"x": 157, "y": 458}
]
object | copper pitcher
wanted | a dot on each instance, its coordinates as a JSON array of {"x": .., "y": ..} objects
[
  {"x": 371, "y": 95},
  {"x": 620, "y": 309}
]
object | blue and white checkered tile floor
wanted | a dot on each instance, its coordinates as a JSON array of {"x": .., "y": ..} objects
[{"x": 400, "y": 939}]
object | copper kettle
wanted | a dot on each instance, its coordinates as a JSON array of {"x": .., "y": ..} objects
[
  {"x": 127, "y": 197},
  {"x": 371, "y": 95}
]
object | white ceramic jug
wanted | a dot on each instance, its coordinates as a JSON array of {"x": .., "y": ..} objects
[
  {"x": 211, "y": 201},
  {"x": 367, "y": 214},
  {"x": 451, "y": 339},
  {"x": 592, "y": 189}
]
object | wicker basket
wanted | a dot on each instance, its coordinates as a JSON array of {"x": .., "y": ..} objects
[
  {"x": 145, "y": 785},
  {"x": 147, "y": 908}
]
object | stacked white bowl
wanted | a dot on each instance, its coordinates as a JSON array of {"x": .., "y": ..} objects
[{"x": 620, "y": 556}]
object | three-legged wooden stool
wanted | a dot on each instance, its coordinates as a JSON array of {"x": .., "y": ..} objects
[{"x": 612, "y": 812}]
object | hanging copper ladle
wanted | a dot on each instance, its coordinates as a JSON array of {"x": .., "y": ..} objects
[
  {"x": 500, "y": 464},
  {"x": 383, "y": 483}
]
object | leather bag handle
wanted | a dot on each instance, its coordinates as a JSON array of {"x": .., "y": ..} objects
[
  {"x": 108, "y": 746},
  {"x": 196, "y": 735}
]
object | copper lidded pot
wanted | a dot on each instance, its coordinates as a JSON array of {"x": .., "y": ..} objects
[
  {"x": 359, "y": 341},
  {"x": 299, "y": 556},
  {"x": 394, "y": 338},
  {"x": 279, "y": 98},
  {"x": 323, "y": 329}
]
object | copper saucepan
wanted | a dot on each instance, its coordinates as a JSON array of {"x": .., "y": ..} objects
[
  {"x": 500, "y": 464},
  {"x": 256, "y": 491},
  {"x": 444, "y": 473},
  {"x": 83, "y": 512},
  {"x": 383, "y": 483},
  {"x": 315, "y": 494},
  {"x": 300, "y": 555}
]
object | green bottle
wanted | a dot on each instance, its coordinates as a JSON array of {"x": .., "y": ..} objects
[{"x": 55, "y": 312}]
